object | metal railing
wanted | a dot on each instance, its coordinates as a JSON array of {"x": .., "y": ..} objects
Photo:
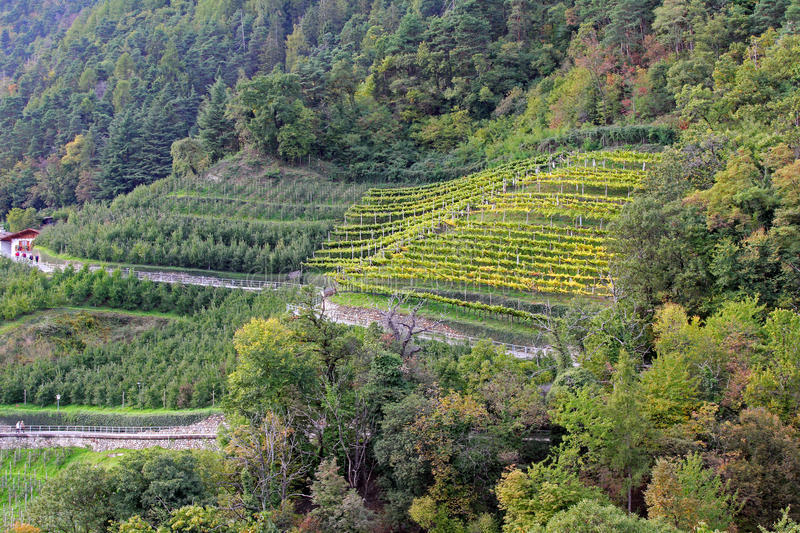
[{"x": 92, "y": 429}]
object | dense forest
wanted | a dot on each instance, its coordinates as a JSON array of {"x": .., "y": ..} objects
[
  {"x": 342, "y": 429},
  {"x": 668, "y": 402},
  {"x": 92, "y": 100}
]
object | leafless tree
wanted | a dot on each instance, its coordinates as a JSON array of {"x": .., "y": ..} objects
[
  {"x": 404, "y": 328},
  {"x": 563, "y": 331},
  {"x": 355, "y": 429},
  {"x": 272, "y": 455}
]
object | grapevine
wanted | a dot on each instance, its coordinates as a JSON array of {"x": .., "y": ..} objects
[{"x": 532, "y": 227}]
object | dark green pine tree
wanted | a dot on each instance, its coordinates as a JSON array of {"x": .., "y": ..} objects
[
  {"x": 187, "y": 108},
  {"x": 121, "y": 169},
  {"x": 768, "y": 14},
  {"x": 216, "y": 131},
  {"x": 162, "y": 125},
  {"x": 629, "y": 22},
  {"x": 792, "y": 22}
]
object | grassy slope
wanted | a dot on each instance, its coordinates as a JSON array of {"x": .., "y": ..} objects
[
  {"x": 458, "y": 318},
  {"x": 25, "y": 319},
  {"x": 56, "y": 332},
  {"x": 81, "y": 415},
  {"x": 75, "y": 409}
]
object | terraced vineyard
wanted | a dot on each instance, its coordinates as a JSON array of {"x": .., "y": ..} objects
[
  {"x": 499, "y": 241},
  {"x": 242, "y": 216}
]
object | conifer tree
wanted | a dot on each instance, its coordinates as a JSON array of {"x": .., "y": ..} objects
[
  {"x": 792, "y": 22},
  {"x": 216, "y": 131},
  {"x": 339, "y": 508},
  {"x": 768, "y": 14},
  {"x": 120, "y": 169}
]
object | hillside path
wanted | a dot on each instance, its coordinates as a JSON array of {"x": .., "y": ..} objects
[
  {"x": 173, "y": 277},
  {"x": 353, "y": 316}
]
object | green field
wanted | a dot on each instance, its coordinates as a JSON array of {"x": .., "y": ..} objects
[{"x": 91, "y": 415}]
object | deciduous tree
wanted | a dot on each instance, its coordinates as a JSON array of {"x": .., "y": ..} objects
[{"x": 685, "y": 494}]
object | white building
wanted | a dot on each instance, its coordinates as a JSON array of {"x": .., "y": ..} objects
[{"x": 19, "y": 244}]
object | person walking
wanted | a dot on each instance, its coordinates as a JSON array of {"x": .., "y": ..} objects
[{"x": 18, "y": 425}]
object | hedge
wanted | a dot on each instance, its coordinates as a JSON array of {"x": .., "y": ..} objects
[{"x": 50, "y": 417}]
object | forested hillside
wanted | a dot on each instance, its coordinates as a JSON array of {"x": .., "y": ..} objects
[
  {"x": 618, "y": 180},
  {"x": 93, "y": 98}
]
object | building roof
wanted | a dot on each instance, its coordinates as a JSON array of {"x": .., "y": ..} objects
[{"x": 26, "y": 233}]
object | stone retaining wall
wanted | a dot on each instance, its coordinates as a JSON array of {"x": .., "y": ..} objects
[
  {"x": 100, "y": 443},
  {"x": 199, "y": 435}
]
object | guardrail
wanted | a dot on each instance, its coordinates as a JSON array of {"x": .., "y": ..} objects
[{"x": 92, "y": 429}]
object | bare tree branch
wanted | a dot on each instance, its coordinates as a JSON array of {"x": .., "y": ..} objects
[{"x": 405, "y": 328}]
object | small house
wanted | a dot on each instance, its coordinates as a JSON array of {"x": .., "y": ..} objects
[{"x": 19, "y": 244}]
